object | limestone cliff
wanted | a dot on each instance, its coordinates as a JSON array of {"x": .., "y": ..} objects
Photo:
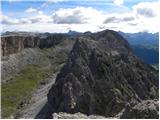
[{"x": 15, "y": 43}]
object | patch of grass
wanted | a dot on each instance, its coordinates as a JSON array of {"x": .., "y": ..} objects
[{"x": 19, "y": 88}]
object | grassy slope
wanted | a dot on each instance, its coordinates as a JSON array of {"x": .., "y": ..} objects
[{"x": 18, "y": 91}]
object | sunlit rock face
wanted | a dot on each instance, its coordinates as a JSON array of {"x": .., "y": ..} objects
[{"x": 14, "y": 43}]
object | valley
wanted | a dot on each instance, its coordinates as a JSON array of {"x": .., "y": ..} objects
[{"x": 46, "y": 75}]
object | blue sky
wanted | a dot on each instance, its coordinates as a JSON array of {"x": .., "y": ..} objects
[
  {"x": 71, "y": 14},
  {"x": 11, "y": 6}
]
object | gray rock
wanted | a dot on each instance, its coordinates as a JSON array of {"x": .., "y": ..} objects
[
  {"x": 63, "y": 115},
  {"x": 14, "y": 43},
  {"x": 148, "y": 109},
  {"x": 13, "y": 63},
  {"x": 96, "y": 81}
]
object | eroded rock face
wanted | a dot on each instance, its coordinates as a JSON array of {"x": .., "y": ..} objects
[
  {"x": 148, "y": 109},
  {"x": 101, "y": 76},
  {"x": 42, "y": 50},
  {"x": 16, "y": 43}
]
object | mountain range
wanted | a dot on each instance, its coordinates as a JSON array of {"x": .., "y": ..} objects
[{"x": 96, "y": 74}]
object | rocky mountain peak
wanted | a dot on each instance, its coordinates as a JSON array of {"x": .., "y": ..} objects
[{"x": 101, "y": 76}]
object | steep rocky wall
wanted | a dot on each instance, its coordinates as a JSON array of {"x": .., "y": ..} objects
[
  {"x": 24, "y": 56},
  {"x": 14, "y": 43},
  {"x": 101, "y": 77}
]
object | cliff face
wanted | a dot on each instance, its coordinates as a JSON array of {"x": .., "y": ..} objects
[
  {"x": 102, "y": 76},
  {"x": 22, "y": 50},
  {"x": 15, "y": 43}
]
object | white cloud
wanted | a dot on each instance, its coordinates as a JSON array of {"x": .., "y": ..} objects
[
  {"x": 114, "y": 19},
  {"x": 25, "y": 21},
  {"x": 41, "y": 18},
  {"x": 119, "y": 18},
  {"x": 7, "y": 20},
  {"x": 147, "y": 9},
  {"x": 30, "y": 10},
  {"x": 118, "y": 2},
  {"x": 142, "y": 17},
  {"x": 147, "y": 14},
  {"x": 78, "y": 15}
]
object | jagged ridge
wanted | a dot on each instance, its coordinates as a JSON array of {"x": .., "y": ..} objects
[{"x": 101, "y": 76}]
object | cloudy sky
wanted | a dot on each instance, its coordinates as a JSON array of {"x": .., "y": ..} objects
[{"x": 80, "y": 15}]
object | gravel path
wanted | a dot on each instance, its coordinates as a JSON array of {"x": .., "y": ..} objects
[{"x": 39, "y": 99}]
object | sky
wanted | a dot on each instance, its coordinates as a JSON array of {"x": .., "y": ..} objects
[{"x": 60, "y": 16}]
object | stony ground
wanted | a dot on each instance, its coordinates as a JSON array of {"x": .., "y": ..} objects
[
  {"x": 39, "y": 99},
  {"x": 78, "y": 115}
]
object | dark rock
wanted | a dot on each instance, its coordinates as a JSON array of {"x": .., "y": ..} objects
[{"x": 101, "y": 76}]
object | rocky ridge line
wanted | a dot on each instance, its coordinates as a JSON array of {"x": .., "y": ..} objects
[{"x": 101, "y": 77}]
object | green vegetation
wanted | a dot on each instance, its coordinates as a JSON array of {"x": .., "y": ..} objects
[{"x": 18, "y": 91}]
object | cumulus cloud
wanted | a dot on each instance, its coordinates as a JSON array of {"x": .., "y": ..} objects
[
  {"x": 142, "y": 17},
  {"x": 30, "y": 10},
  {"x": 146, "y": 12},
  {"x": 147, "y": 16},
  {"x": 78, "y": 15},
  {"x": 40, "y": 17},
  {"x": 69, "y": 17},
  {"x": 147, "y": 9},
  {"x": 118, "y": 18},
  {"x": 7, "y": 20}
]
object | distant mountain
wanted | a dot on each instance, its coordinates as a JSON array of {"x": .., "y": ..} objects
[
  {"x": 73, "y": 33},
  {"x": 150, "y": 56},
  {"x": 141, "y": 38},
  {"x": 144, "y": 45}
]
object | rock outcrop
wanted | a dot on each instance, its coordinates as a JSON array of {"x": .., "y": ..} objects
[
  {"x": 42, "y": 50},
  {"x": 148, "y": 109},
  {"x": 101, "y": 77},
  {"x": 78, "y": 115},
  {"x": 14, "y": 43}
]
